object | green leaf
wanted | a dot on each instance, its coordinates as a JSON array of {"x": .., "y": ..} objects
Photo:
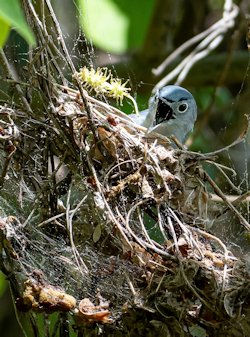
[
  {"x": 3, "y": 283},
  {"x": 4, "y": 32},
  {"x": 11, "y": 13},
  {"x": 116, "y": 25}
]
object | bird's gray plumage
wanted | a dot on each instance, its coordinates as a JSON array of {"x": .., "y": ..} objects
[{"x": 171, "y": 111}]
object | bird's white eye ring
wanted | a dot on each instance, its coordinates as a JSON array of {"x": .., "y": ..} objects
[{"x": 183, "y": 107}]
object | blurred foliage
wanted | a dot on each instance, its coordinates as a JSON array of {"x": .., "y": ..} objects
[
  {"x": 122, "y": 26},
  {"x": 3, "y": 284},
  {"x": 4, "y": 31},
  {"x": 8, "y": 323},
  {"x": 11, "y": 15}
]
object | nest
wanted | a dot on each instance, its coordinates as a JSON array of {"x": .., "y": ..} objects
[{"x": 109, "y": 226}]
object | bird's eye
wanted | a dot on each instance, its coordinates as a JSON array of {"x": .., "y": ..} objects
[{"x": 183, "y": 107}]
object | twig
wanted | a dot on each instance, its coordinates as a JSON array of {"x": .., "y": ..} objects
[
  {"x": 6, "y": 164},
  {"x": 234, "y": 199},
  {"x": 69, "y": 218},
  {"x": 219, "y": 192},
  {"x": 187, "y": 233},
  {"x": 144, "y": 231},
  {"x": 160, "y": 224},
  {"x": 71, "y": 65},
  {"x": 226, "y": 255},
  {"x": 99, "y": 187},
  {"x": 236, "y": 142},
  {"x": 210, "y": 39},
  {"x": 9, "y": 73},
  {"x": 219, "y": 167},
  {"x": 141, "y": 242}
]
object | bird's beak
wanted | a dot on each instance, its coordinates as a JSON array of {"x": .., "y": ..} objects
[{"x": 150, "y": 129}]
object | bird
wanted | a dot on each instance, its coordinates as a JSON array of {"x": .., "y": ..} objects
[{"x": 172, "y": 111}]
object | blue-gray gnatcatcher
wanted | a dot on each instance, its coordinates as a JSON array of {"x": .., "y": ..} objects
[{"x": 172, "y": 111}]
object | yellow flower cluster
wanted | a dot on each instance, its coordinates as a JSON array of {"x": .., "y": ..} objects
[
  {"x": 96, "y": 80},
  {"x": 102, "y": 82}
]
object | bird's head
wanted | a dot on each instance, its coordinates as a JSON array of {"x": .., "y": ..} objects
[{"x": 172, "y": 111}]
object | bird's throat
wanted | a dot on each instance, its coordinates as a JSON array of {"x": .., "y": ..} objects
[{"x": 164, "y": 112}]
